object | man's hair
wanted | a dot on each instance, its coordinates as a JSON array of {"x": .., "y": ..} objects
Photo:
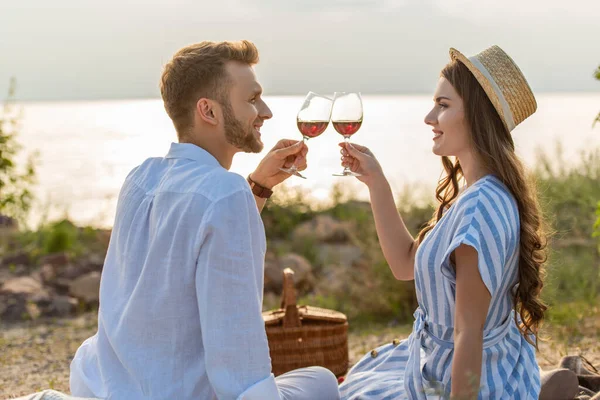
[{"x": 198, "y": 71}]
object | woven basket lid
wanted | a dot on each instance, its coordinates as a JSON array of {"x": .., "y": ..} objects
[
  {"x": 306, "y": 313},
  {"x": 503, "y": 82}
]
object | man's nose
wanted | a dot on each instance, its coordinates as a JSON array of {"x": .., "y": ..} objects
[{"x": 265, "y": 112}]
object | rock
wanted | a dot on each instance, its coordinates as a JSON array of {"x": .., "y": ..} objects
[
  {"x": 303, "y": 276},
  {"x": 18, "y": 298},
  {"x": 47, "y": 273},
  {"x": 62, "y": 306},
  {"x": 62, "y": 284},
  {"x": 323, "y": 228},
  {"x": 72, "y": 272},
  {"x": 273, "y": 273},
  {"x": 20, "y": 258},
  {"x": 41, "y": 299},
  {"x": 23, "y": 285},
  {"x": 19, "y": 270},
  {"x": 32, "y": 310},
  {"x": 57, "y": 260},
  {"x": 94, "y": 262},
  {"x": 342, "y": 254},
  {"x": 13, "y": 307},
  {"x": 7, "y": 273},
  {"x": 86, "y": 288},
  {"x": 334, "y": 280}
]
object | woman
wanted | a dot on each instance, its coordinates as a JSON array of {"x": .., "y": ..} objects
[{"x": 478, "y": 264}]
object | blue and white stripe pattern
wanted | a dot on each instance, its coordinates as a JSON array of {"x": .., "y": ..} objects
[{"x": 485, "y": 216}]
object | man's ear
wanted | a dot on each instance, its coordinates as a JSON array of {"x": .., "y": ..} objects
[{"x": 208, "y": 111}]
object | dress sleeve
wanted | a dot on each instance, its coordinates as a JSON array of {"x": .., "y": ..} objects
[{"x": 480, "y": 225}]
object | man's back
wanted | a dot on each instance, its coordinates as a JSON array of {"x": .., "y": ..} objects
[{"x": 186, "y": 252}]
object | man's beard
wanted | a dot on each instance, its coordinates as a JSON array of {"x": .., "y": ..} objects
[{"x": 236, "y": 135}]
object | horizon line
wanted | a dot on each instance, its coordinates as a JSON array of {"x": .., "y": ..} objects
[{"x": 277, "y": 94}]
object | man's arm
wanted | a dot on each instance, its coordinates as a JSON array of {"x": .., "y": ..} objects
[
  {"x": 260, "y": 200},
  {"x": 260, "y": 203},
  {"x": 229, "y": 286}
]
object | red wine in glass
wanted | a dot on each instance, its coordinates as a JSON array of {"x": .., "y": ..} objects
[
  {"x": 312, "y": 129},
  {"x": 347, "y": 128}
]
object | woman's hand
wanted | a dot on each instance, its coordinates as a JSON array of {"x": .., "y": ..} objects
[{"x": 361, "y": 160}]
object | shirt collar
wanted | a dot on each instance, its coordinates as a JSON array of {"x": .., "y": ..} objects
[{"x": 192, "y": 152}]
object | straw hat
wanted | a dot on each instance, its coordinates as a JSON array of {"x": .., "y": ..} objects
[{"x": 503, "y": 82}]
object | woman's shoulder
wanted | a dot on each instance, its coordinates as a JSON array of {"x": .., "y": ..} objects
[
  {"x": 489, "y": 187},
  {"x": 492, "y": 198}
]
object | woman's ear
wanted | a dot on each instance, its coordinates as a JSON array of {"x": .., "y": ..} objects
[{"x": 207, "y": 111}]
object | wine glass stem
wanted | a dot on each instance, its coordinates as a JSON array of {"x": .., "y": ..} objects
[
  {"x": 294, "y": 167},
  {"x": 346, "y": 140}
]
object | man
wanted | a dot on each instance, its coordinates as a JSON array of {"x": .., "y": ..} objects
[{"x": 181, "y": 291}]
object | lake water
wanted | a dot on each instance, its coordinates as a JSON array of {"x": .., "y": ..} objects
[{"x": 86, "y": 149}]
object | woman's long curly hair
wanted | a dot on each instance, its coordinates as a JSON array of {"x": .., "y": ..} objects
[{"x": 496, "y": 151}]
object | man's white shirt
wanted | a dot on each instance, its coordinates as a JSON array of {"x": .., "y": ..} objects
[{"x": 181, "y": 289}]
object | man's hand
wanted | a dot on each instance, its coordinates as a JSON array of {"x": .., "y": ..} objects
[{"x": 286, "y": 153}]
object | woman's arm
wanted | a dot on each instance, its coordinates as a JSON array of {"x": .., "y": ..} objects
[
  {"x": 472, "y": 304},
  {"x": 397, "y": 244}
]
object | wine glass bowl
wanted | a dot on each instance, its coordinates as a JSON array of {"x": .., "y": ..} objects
[{"x": 312, "y": 120}]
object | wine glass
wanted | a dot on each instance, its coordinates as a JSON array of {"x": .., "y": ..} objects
[
  {"x": 312, "y": 120},
  {"x": 347, "y": 117}
]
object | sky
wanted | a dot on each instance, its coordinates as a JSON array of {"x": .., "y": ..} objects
[{"x": 115, "y": 49}]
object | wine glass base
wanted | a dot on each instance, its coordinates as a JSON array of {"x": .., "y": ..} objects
[
  {"x": 347, "y": 173},
  {"x": 292, "y": 171}
]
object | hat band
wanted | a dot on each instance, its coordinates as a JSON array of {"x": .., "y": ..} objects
[{"x": 508, "y": 116}]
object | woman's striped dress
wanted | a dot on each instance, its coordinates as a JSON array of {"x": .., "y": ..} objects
[{"x": 485, "y": 216}]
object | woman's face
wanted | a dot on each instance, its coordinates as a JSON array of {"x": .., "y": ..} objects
[{"x": 451, "y": 136}]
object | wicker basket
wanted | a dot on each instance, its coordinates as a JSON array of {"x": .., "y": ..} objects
[{"x": 303, "y": 336}]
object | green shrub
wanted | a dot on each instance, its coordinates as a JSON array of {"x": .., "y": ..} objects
[
  {"x": 60, "y": 237},
  {"x": 15, "y": 184},
  {"x": 284, "y": 212},
  {"x": 597, "y": 76},
  {"x": 569, "y": 197}
]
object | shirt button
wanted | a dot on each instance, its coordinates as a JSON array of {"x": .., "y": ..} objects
[
  {"x": 374, "y": 353},
  {"x": 396, "y": 342}
]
